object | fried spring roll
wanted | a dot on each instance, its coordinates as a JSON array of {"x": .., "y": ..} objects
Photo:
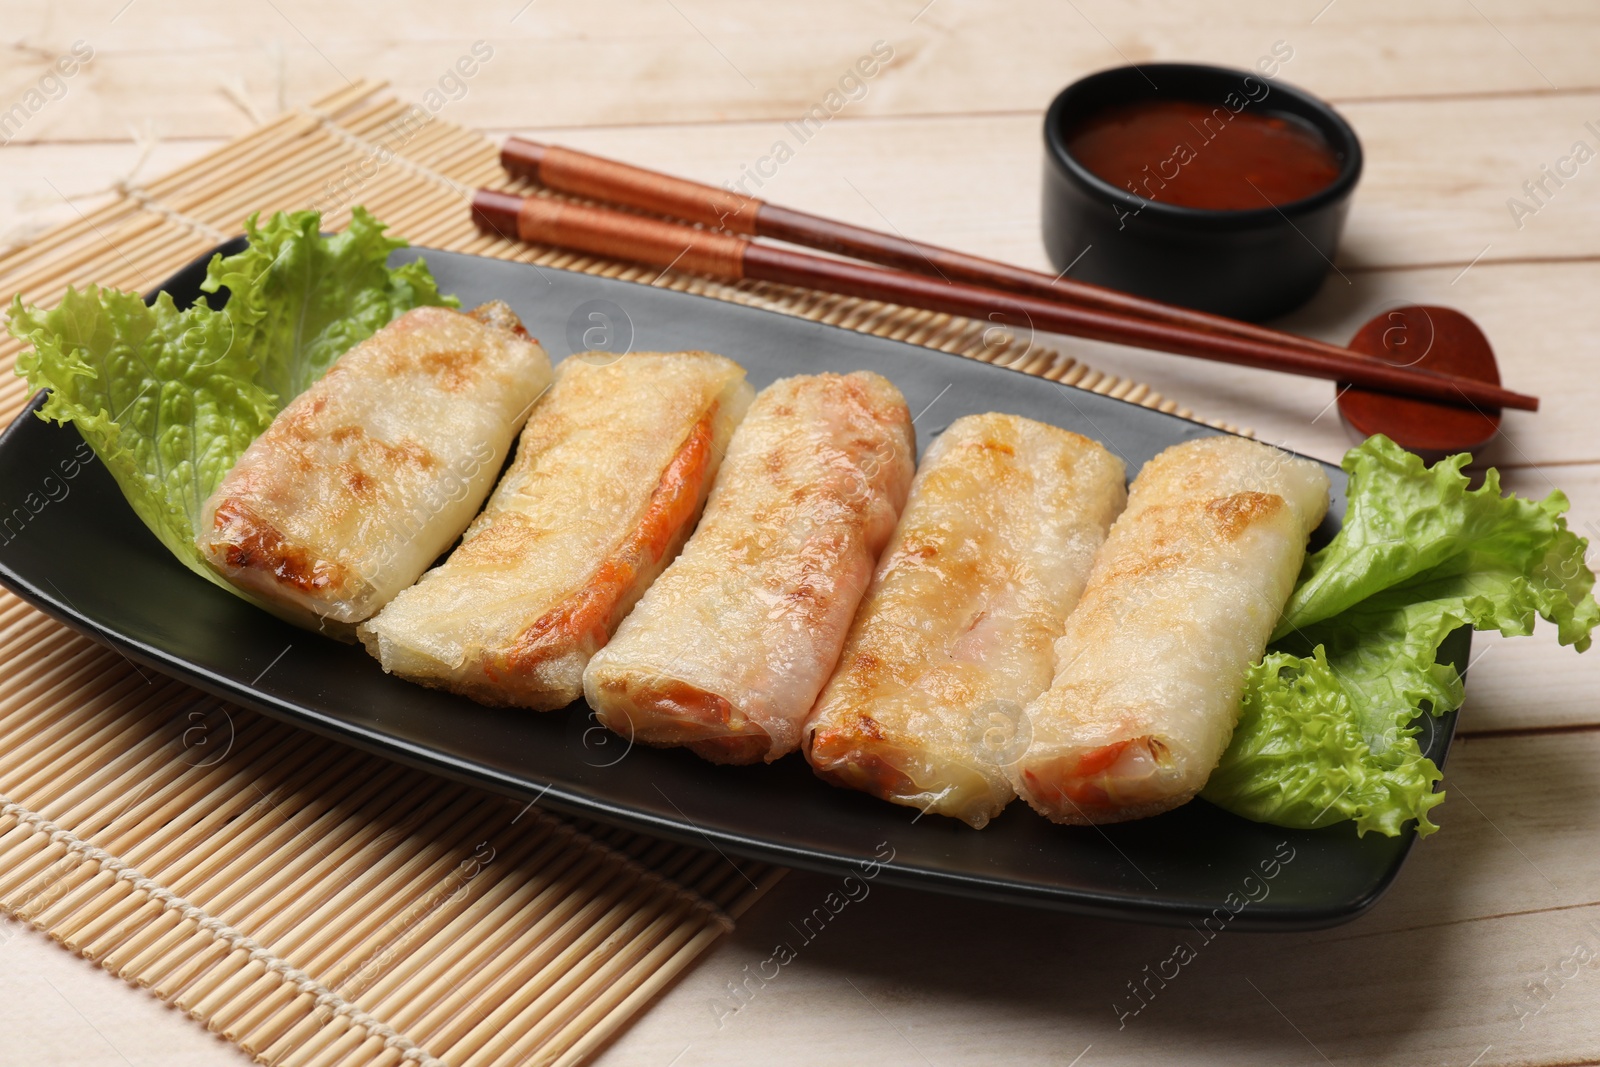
[
  {"x": 1182, "y": 598},
  {"x": 955, "y": 636},
  {"x": 364, "y": 478},
  {"x": 727, "y": 651},
  {"x": 610, "y": 475}
]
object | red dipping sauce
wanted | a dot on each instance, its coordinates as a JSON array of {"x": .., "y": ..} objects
[{"x": 1191, "y": 154}]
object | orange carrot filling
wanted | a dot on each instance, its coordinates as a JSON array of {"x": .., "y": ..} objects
[
  {"x": 587, "y": 614},
  {"x": 1086, "y": 784},
  {"x": 678, "y": 713},
  {"x": 1101, "y": 758},
  {"x": 846, "y": 759}
]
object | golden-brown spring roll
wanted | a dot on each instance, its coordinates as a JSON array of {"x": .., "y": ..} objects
[
  {"x": 364, "y": 478},
  {"x": 955, "y": 636},
  {"x": 728, "y": 649},
  {"x": 610, "y": 475},
  {"x": 1182, "y": 598}
]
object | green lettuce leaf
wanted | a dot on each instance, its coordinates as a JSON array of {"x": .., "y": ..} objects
[
  {"x": 162, "y": 396},
  {"x": 1329, "y": 723},
  {"x": 168, "y": 399},
  {"x": 298, "y": 301},
  {"x": 1404, "y": 518},
  {"x": 1298, "y": 757}
]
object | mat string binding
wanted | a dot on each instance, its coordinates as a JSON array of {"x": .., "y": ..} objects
[
  {"x": 137, "y": 193},
  {"x": 372, "y": 148},
  {"x": 325, "y": 998}
]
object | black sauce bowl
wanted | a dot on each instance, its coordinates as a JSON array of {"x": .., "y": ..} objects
[{"x": 1251, "y": 264}]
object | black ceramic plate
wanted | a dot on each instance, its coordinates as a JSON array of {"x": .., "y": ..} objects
[{"x": 86, "y": 559}]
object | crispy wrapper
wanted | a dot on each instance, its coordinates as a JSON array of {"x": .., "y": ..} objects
[
  {"x": 955, "y": 636},
  {"x": 1183, "y": 596},
  {"x": 727, "y": 651},
  {"x": 364, "y": 478},
  {"x": 609, "y": 477}
]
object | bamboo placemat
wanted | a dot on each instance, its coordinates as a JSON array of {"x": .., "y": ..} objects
[{"x": 315, "y": 905}]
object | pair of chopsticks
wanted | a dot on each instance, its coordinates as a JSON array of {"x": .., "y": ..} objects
[{"x": 714, "y": 239}]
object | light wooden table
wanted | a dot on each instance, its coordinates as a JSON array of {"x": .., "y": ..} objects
[{"x": 1476, "y": 956}]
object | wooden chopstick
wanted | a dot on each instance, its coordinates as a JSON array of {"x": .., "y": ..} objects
[
  {"x": 598, "y": 178},
  {"x": 728, "y": 257}
]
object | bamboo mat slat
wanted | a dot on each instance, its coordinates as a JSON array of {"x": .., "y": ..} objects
[{"x": 317, "y": 906}]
